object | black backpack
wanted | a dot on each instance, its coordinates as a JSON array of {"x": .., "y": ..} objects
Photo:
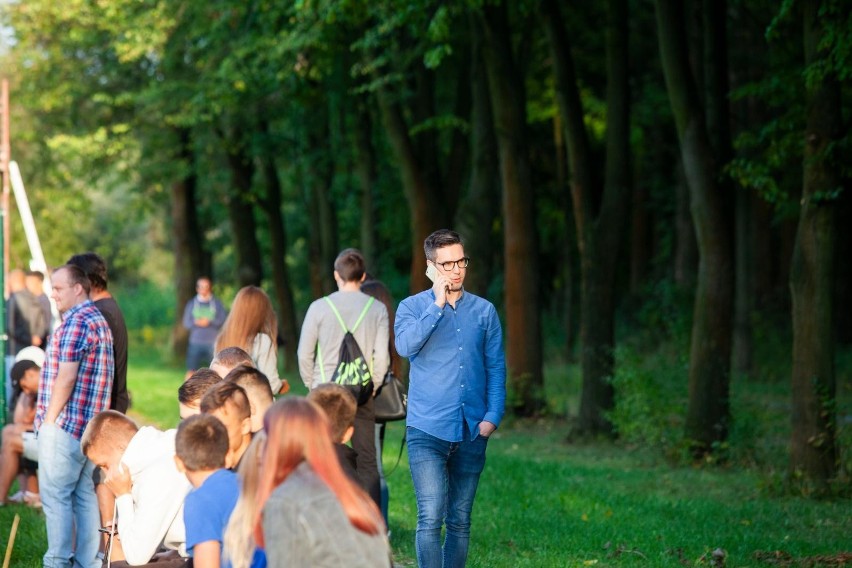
[{"x": 353, "y": 371}]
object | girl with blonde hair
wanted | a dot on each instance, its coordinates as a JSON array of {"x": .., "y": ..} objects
[
  {"x": 239, "y": 547},
  {"x": 253, "y": 326},
  {"x": 311, "y": 513}
]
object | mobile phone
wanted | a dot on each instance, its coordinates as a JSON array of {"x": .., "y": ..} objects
[{"x": 431, "y": 273}]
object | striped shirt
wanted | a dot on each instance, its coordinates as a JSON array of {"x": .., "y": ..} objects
[{"x": 83, "y": 337}]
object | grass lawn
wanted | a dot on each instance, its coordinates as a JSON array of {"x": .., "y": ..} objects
[{"x": 542, "y": 502}]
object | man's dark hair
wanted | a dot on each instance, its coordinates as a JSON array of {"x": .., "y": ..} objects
[
  {"x": 350, "y": 265},
  {"x": 252, "y": 381},
  {"x": 232, "y": 357},
  {"x": 220, "y": 394},
  {"x": 440, "y": 239},
  {"x": 339, "y": 405},
  {"x": 77, "y": 275},
  {"x": 197, "y": 384},
  {"x": 94, "y": 267},
  {"x": 36, "y": 274},
  {"x": 201, "y": 443}
]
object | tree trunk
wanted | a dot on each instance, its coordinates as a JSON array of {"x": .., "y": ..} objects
[
  {"x": 685, "y": 248},
  {"x": 813, "y": 444},
  {"x": 421, "y": 109},
  {"x": 523, "y": 337},
  {"x": 319, "y": 175},
  {"x": 191, "y": 261},
  {"x": 640, "y": 239},
  {"x": 323, "y": 234},
  {"x": 763, "y": 239},
  {"x": 741, "y": 362},
  {"x": 241, "y": 213},
  {"x": 289, "y": 330},
  {"x": 843, "y": 280},
  {"x": 365, "y": 169},
  {"x": 599, "y": 232},
  {"x": 481, "y": 205},
  {"x": 420, "y": 194},
  {"x": 717, "y": 89},
  {"x": 317, "y": 268},
  {"x": 459, "y": 156},
  {"x": 710, "y": 351}
]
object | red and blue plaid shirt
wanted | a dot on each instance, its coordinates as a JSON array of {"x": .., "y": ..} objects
[{"x": 83, "y": 337}]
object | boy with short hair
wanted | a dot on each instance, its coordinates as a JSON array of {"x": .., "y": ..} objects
[
  {"x": 229, "y": 403},
  {"x": 193, "y": 389},
  {"x": 340, "y": 406},
  {"x": 149, "y": 490},
  {"x": 201, "y": 446},
  {"x": 228, "y": 359},
  {"x": 258, "y": 390}
]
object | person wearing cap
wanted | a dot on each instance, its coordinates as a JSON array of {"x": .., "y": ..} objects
[{"x": 18, "y": 437}]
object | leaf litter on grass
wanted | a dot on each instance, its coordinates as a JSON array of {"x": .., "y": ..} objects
[{"x": 782, "y": 558}]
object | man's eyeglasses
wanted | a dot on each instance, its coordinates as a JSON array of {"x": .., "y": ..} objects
[{"x": 450, "y": 264}]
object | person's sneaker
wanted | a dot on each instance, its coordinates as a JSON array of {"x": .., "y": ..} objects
[
  {"x": 17, "y": 498},
  {"x": 32, "y": 499}
]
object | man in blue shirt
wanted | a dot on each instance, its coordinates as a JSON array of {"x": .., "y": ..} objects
[{"x": 456, "y": 397}]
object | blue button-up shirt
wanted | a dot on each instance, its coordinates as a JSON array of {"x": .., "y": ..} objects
[{"x": 458, "y": 370}]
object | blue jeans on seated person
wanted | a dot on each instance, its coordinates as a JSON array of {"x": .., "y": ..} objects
[
  {"x": 445, "y": 476},
  {"x": 68, "y": 498}
]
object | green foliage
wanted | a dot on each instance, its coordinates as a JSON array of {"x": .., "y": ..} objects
[
  {"x": 666, "y": 309},
  {"x": 146, "y": 306},
  {"x": 650, "y": 399}
]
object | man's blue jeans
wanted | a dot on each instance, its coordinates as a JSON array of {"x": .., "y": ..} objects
[
  {"x": 198, "y": 355},
  {"x": 68, "y": 497},
  {"x": 445, "y": 476}
]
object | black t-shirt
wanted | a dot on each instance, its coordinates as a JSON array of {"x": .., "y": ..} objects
[{"x": 112, "y": 314}]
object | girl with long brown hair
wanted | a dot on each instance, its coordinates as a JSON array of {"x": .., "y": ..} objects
[
  {"x": 253, "y": 326},
  {"x": 312, "y": 513}
]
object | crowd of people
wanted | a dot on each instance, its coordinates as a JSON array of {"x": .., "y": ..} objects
[{"x": 246, "y": 480}]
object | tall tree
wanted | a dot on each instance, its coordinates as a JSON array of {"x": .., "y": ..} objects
[
  {"x": 523, "y": 313},
  {"x": 318, "y": 175},
  {"x": 240, "y": 204},
  {"x": 480, "y": 206},
  {"x": 366, "y": 170},
  {"x": 191, "y": 260},
  {"x": 424, "y": 114},
  {"x": 813, "y": 445},
  {"x": 716, "y": 102},
  {"x": 710, "y": 349},
  {"x": 600, "y": 210},
  {"x": 271, "y": 203}
]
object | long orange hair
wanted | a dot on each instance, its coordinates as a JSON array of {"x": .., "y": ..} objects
[
  {"x": 251, "y": 313},
  {"x": 297, "y": 431}
]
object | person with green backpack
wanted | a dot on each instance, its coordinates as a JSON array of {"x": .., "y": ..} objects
[{"x": 344, "y": 340}]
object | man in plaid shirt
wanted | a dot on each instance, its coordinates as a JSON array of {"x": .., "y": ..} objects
[{"x": 75, "y": 385}]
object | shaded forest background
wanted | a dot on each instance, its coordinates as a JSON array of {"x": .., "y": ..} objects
[{"x": 654, "y": 194}]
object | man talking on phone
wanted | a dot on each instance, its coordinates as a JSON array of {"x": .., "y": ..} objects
[{"x": 456, "y": 397}]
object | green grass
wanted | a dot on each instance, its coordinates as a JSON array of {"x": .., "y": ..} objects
[{"x": 543, "y": 502}]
